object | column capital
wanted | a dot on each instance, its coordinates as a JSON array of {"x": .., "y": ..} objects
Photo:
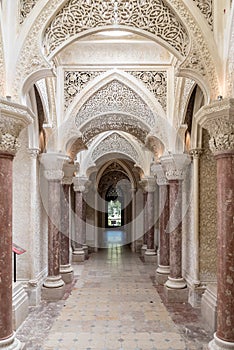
[
  {"x": 196, "y": 153},
  {"x": 13, "y": 119},
  {"x": 175, "y": 165},
  {"x": 148, "y": 183},
  {"x": 218, "y": 119},
  {"x": 80, "y": 183},
  {"x": 53, "y": 165},
  {"x": 157, "y": 169},
  {"x": 68, "y": 170},
  {"x": 33, "y": 152}
]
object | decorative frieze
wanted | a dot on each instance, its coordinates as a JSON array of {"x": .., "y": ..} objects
[
  {"x": 206, "y": 8},
  {"x": 26, "y": 7},
  {"x": 218, "y": 119},
  {"x": 115, "y": 97},
  {"x": 75, "y": 17},
  {"x": 156, "y": 82}
]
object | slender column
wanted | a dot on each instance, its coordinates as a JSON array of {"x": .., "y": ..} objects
[
  {"x": 149, "y": 184},
  {"x": 133, "y": 224},
  {"x": 163, "y": 269},
  {"x": 175, "y": 166},
  {"x": 218, "y": 119},
  {"x": 53, "y": 287},
  {"x": 66, "y": 269},
  {"x": 80, "y": 184},
  {"x": 144, "y": 247},
  {"x": 196, "y": 155},
  {"x": 13, "y": 118}
]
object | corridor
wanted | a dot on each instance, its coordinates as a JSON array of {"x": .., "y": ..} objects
[{"x": 113, "y": 306}]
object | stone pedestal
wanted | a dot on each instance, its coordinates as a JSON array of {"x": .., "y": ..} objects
[
  {"x": 78, "y": 255},
  {"x": 67, "y": 273},
  {"x": 86, "y": 251},
  {"x": 209, "y": 307},
  {"x": 162, "y": 274},
  {"x": 13, "y": 118},
  {"x": 20, "y": 305},
  {"x": 151, "y": 256},
  {"x": 176, "y": 295},
  {"x": 143, "y": 249}
]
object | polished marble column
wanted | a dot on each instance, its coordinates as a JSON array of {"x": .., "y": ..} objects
[
  {"x": 218, "y": 119},
  {"x": 53, "y": 288},
  {"x": 163, "y": 269},
  {"x": 145, "y": 223},
  {"x": 149, "y": 184},
  {"x": 80, "y": 186},
  {"x": 66, "y": 269},
  {"x": 13, "y": 118},
  {"x": 175, "y": 170}
]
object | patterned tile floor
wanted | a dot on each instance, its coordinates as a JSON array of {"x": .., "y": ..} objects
[{"x": 112, "y": 306}]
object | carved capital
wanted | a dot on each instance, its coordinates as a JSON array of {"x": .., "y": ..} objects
[
  {"x": 53, "y": 165},
  {"x": 196, "y": 153},
  {"x": 158, "y": 171},
  {"x": 33, "y": 152},
  {"x": 13, "y": 119},
  {"x": 148, "y": 184},
  {"x": 80, "y": 183},
  {"x": 218, "y": 119},
  {"x": 69, "y": 170},
  {"x": 175, "y": 166}
]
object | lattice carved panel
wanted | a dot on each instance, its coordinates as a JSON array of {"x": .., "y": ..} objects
[
  {"x": 156, "y": 82},
  {"x": 118, "y": 122},
  {"x": 26, "y": 7},
  {"x": 153, "y": 16},
  {"x": 115, "y": 97},
  {"x": 74, "y": 82},
  {"x": 115, "y": 143},
  {"x": 206, "y": 8}
]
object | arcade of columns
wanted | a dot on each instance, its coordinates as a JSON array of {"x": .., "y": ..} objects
[{"x": 218, "y": 119}]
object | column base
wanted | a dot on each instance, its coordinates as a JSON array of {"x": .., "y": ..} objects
[
  {"x": 11, "y": 343},
  {"x": 78, "y": 255},
  {"x": 86, "y": 251},
  {"x": 53, "y": 288},
  {"x": 176, "y": 295},
  {"x": 20, "y": 305},
  {"x": 162, "y": 274},
  {"x": 209, "y": 307},
  {"x": 67, "y": 273},
  {"x": 219, "y": 344},
  {"x": 143, "y": 249},
  {"x": 175, "y": 283},
  {"x": 151, "y": 256}
]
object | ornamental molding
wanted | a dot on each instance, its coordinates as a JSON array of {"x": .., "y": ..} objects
[
  {"x": 115, "y": 143},
  {"x": 199, "y": 59},
  {"x": 218, "y": 119},
  {"x": 115, "y": 97},
  {"x": 26, "y": 7},
  {"x": 206, "y": 8},
  {"x": 148, "y": 184},
  {"x": 75, "y": 17},
  {"x": 120, "y": 122},
  {"x": 175, "y": 166},
  {"x": 156, "y": 82},
  {"x": 13, "y": 119}
]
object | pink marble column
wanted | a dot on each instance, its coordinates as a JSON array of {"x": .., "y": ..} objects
[
  {"x": 218, "y": 119},
  {"x": 164, "y": 237},
  {"x": 13, "y": 118},
  {"x": 145, "y": 194},
  {"x": 53, "y": 288},
  {"x": 79, "y": 219},
  {"x": 225, "y": 277}
]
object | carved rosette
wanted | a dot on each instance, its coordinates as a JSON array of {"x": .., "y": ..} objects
[
  {"x": 158, "y": 171},
  {"x": 175, "y": 166},
  {"x": 218, "y": 119},
  {"x": 53, "y": 165},
  {"x": 13, "y": 119},
  {"x": 148, "y": 184},
  {"x": 80, "y": 183}
]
